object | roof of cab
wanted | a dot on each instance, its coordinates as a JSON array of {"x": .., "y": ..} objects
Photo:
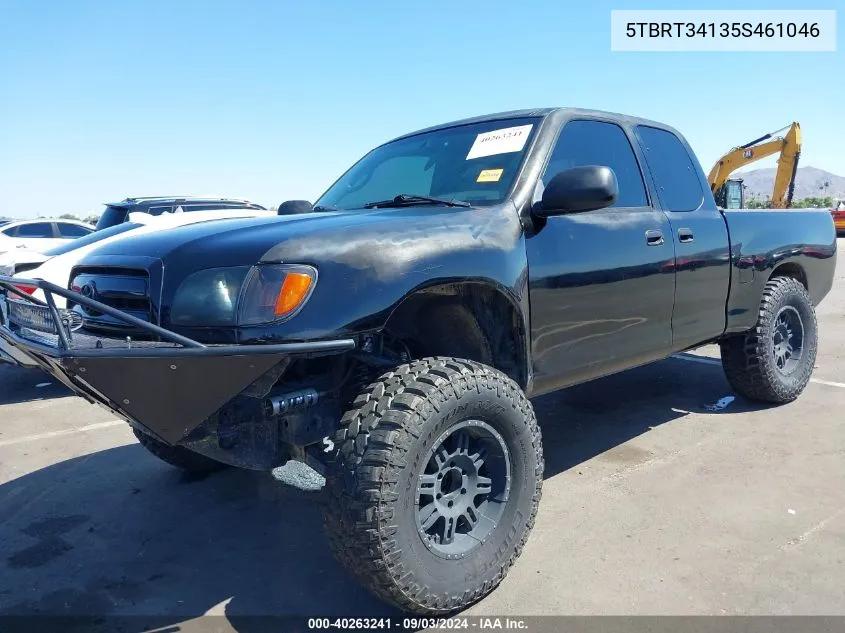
[{"x": 541, "y": 113}]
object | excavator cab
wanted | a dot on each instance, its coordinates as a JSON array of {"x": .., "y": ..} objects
[{"x": 731, "y": 195}]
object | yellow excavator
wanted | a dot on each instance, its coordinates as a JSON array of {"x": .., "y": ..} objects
[{"x": 729, "y": 192}]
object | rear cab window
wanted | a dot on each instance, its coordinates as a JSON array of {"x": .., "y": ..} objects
[
  {"x": 675, "y": 174},
  {"x": 589, "y": 142}
]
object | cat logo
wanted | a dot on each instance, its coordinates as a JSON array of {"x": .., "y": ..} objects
[{"x": 747, "y": 153}]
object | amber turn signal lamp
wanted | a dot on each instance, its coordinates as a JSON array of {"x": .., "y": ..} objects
[{"x": 294, "y": 290}]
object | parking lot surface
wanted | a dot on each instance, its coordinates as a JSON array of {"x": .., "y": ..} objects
[{"x": 662, "y": 495}]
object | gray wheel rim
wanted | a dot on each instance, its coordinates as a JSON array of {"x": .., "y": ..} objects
[
  {"x": 462, "y": 489},
  {"x": 788, "y": 340}
]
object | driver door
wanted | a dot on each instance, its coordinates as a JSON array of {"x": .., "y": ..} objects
[{"x": 602, "y": 283}]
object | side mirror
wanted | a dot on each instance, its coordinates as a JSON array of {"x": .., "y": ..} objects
[
  {"x": 293, "y": 207},
  {"x": 579, "y": 189}
]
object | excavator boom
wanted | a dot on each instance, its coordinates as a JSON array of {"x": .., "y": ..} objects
[{"x": 789, "y": 147}]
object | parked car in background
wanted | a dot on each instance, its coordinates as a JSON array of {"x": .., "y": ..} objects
[
  {"x": 21, "y": 259},
  {"x": 117, "y": 212},
  {"x": 40, "y": 235},
  {"x": 56, "y": 265},
  {"x": 839, "y": 219},
  {"x": 28, "y": 257},
  {"x": 59, "y": 262}
]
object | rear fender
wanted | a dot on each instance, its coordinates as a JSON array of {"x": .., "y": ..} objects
[{"x": 763, "y": 242}]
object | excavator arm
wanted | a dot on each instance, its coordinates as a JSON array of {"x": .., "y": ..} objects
[
  {"x": 789, "y": 147},
  {"x": 787, "y": 168}
]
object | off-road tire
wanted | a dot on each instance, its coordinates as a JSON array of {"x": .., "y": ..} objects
[
  {"x": 380, "y": 446},
  {"x": 749, "y": 360},
  {"x": 176, "y": 455}
]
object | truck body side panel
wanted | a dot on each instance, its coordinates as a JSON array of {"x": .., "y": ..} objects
[{"x": 800, "y": 242}]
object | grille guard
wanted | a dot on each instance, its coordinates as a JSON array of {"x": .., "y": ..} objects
[{"x": 167, "y": 387}]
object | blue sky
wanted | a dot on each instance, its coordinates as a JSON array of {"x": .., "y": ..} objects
[{"x": 273, "y": 100}]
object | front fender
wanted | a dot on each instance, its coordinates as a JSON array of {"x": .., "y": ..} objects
[{"x": 364, "y": 274}]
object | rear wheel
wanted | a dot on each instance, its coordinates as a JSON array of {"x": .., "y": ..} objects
[
  {"x": 176, "y": 455},
  {"x": 774, "y": 361},
  {"x": 435, "y": 485}
]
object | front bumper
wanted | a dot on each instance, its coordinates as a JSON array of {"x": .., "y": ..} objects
[{"x": 167, "y": 387}]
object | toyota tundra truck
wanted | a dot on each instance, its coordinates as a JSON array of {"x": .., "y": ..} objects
[{"x": 391, "y": 335}]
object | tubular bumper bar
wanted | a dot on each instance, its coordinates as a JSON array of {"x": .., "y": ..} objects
[{"x": 166, "y": 387}]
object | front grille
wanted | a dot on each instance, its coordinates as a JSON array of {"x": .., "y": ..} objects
[{"x": 124, "y": 289}]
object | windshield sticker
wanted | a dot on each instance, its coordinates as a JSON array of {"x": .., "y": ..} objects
[
  {"x": 504, "y": 141},
  {"x": 489, "y": 175}
]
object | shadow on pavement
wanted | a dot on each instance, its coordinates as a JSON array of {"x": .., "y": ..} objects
[
  {"x": 19, "y": 385},
  {"x": 589, "y": 419},
  {"x": 118, "y": 533}
]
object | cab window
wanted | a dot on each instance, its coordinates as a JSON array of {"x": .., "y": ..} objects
[
  {"x": 675, "y": 174},
  {"x": 599, "y": 143}
]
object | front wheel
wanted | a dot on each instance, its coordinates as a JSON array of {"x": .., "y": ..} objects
[
  {"x": 435, "y": 484},
  {"x": 774, "y": 361}
]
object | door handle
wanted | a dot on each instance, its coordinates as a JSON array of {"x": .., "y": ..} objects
[
  {"x": 685, "y": 235},
  {"x": 654, "y": 237}
]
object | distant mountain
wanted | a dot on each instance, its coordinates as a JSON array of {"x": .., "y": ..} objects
[{"x": 809, "y": 181}]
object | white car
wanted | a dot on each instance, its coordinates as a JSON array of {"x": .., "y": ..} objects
[
  {"x": 60, "y": 261},
  {"x": 21, "y": 259},
  {"x": 40, "y": 235}
]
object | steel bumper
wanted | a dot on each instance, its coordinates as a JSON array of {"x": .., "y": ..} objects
[{"x": 166, "y": 387}]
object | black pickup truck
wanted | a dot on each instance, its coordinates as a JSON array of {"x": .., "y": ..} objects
[{"x": 391, "y": 335}]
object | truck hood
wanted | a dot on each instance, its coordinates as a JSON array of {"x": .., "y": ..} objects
[{"x": 384, "y": 241}]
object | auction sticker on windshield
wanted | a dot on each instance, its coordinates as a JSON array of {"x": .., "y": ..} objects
[
  {"x": 489, "y": 175},
  {"x": 504, "y": 141}
]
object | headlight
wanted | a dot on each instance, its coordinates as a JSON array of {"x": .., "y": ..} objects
[
  {"x": 209, "y": 297},
  {"x": 242, "y": 295},
  {"x": 275, "y": 293}
]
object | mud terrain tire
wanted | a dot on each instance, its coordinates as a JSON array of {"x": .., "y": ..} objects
[
  {"x": 785, "y": 334},
  {"x": 434, "y": 413}
]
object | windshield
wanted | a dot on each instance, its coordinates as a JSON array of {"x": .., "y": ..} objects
[
  {"x": 96, "y": 236},
  {"x": 474, "y": 163}
]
